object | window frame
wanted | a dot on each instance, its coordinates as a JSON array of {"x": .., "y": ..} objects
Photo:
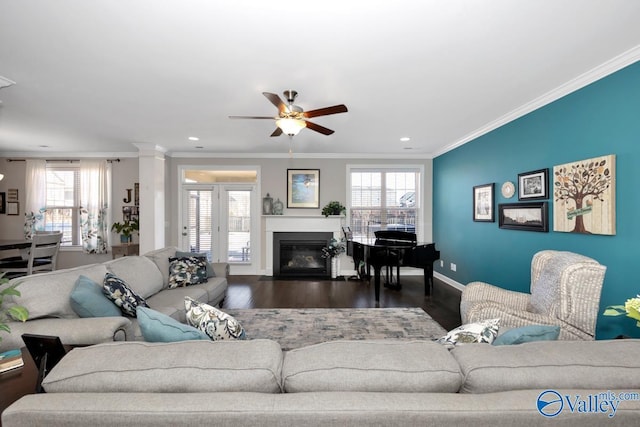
[
  {"x": 384, "y": 169},
  {"x": 75, "y": 208}
]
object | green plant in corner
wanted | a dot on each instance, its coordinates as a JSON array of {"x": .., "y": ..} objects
[
  {"x": 333, "y": 208},
  {"x": 15, "y": 312},
  {"x": 126, "y": 229}
]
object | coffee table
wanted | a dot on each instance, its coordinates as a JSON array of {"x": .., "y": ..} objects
[{"x": 18, "y": 382}]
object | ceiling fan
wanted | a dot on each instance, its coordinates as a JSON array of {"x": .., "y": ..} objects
[{"x": 291, "y": 118}]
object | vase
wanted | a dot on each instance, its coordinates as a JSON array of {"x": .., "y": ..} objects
[{"x": 334, "y": 267}]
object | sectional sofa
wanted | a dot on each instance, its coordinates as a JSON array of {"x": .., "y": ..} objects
[
  {"x": 47, "y": 296},
  {"x": 339, "y": 383}
]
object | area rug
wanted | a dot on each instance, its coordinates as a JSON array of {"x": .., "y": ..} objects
[{"x": 294, "y": 328}]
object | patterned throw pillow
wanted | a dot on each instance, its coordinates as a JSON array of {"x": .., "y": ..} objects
[
  {"x": 210, "y": 271},
  {"x": 217, "y": 324},
  {"x": 119, "y": 292},
  {"x": 481, "y": 332},
  {"x": 185, "y": 271}
]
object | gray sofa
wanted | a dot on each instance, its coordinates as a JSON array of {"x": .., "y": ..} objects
[
  {"x": 339, "y": 383},
  {"x": 47, "y": 297}
]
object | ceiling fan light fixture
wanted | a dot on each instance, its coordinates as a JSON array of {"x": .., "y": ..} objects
[{"x": 290, "y": 126}]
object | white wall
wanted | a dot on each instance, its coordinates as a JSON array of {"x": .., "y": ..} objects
[{"x": 273, "y": 181}]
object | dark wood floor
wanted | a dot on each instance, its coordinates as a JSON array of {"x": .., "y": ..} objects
[{"x": 265, "y": 292}]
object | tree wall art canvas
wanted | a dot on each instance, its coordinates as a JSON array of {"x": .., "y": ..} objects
[{"x": 584, "y": 196}]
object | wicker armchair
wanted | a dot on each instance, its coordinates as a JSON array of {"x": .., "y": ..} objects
[{"x": 565, "y": 291}]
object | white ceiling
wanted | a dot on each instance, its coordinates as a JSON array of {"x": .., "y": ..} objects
[{"x": 101, "y": 76}]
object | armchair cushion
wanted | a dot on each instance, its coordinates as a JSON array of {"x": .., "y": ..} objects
[{"x": 545, "y": 291}]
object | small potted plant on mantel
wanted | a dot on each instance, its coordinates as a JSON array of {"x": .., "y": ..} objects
[
  {"x": 333, "y": 208},
  {"x": 126, "y": 229}
]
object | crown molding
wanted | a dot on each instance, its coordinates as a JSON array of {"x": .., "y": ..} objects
[{"x": 616, "y": 64}]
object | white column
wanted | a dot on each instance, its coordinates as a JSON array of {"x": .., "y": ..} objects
[{"x": 151, "y": 166}]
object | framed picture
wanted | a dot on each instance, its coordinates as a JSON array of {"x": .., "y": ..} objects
[
  {"x": 483, "y": 203},
  {"x": 584, "y": 196},
  {"x": 533, "y": 185},
  {"x": 13, "y": 208},
  {"x": 12, "y": 195},
  {"x": 524, "y": 216},
  {"x": 3, "y": 203},
  {"x": 303, "y": 188}
]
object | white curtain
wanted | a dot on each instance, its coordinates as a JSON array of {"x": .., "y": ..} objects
[
  {"x": 95, "y": 180},
  {"x": 36, "y": 196}
]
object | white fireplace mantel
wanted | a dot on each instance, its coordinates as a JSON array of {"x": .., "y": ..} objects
[{"x": 297, "y": 223}]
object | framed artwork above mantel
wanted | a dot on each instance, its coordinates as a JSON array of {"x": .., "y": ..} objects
[{"x": 303, "y": 188}]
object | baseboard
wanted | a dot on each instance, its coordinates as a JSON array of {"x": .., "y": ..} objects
[{"x": 449, "y": 281}]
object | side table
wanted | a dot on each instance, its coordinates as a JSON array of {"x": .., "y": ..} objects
[
  {"x": 18, "y": 382},
  {"x": 125, "y": 250}
]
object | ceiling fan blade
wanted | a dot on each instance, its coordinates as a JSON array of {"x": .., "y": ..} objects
[
  {"x": 275, "y": 100},
  {"x": 323, "y": 130},
  {"x": 277, "y": 132},
  {"x": 252, "y": 117},
  {"x": 326, "y": 111}
]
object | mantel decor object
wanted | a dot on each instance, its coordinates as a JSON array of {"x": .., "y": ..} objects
[
  {"x": 333, "y": 208},
  {"x": 278, "y": 207},
  {"x": 267, "y": 205}
]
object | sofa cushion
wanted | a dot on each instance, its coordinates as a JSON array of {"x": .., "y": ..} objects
[
  {"x": 160, "y": 257},
  {"x": 210, "y": 270},
  {"x": 174, "y": 299},
  {"x": 528, "y": 333},
  {"x": 180, "y": 367},
  {"x": 217, "y": 324},
  {"x": 57, "y": 286},
  {"x": 185, "y": 271},
  {"x": 158, "y": 327},
  {"x": 140, "y": 273},
  {"x": 603, "y": 365},
  {"x": 124, "y": 297},
  {"x": 88, "y": 300},
  {"x": 371, "y": 366},
  {"x": 479, "y": 332}
]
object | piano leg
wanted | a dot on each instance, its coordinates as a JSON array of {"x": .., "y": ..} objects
[
  {"x": 428, "y": 279},
  {"x": 376, "y": 282}
]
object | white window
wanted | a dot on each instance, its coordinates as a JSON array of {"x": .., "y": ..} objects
[
  {"x": 63, "y": 203},
  {"x": 384, "y": 198}
]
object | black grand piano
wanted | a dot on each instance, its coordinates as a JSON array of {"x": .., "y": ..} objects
[{"x": 393, "y": 249}]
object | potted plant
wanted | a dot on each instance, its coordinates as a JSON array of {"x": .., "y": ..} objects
[
  {"x": 15, "y": 312},
  {"x": 333, "y": 208},
  {"x": 126, "y": 229}
]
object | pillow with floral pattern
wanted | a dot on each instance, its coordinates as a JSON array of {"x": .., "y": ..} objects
[
  {"x": 122, "y": 295},
  {"x": 185, "y": 271},
  {"x": 479, "y": 332},
  {"x": 217, "y": 324}
]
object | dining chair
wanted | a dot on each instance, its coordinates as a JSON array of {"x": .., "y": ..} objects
[{"x": 42, "y": 256}]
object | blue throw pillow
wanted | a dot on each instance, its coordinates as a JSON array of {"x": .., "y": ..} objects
[
  {"x": 528, "y": 334},
  {"x": 87, "y": 300},
  {"x": 124, "y": 297},
  {"x": 210, "y": 271},
  {"x": 158, "y": 327}
]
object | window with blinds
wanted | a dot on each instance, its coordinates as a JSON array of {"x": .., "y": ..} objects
[
  {"x": 384, "y": 199},
  {"x": 63, "y": 203}
]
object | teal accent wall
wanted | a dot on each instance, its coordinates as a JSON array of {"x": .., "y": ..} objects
[{"x": 600, "y": 119}]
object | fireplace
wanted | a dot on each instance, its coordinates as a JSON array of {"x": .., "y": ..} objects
[{"x": 299, "y": 254}]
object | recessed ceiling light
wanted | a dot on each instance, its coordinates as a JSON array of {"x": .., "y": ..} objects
[
  {"x": 405, "y": 139},
  {"x": 43, "y": 146},
  {"x": 407, "y": 148},
  {"x": 194, "y": 138},
  {"x": 199, "y": 146}
]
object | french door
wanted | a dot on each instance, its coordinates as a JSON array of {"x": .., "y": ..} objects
[{"x": 217, "y": 220}]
